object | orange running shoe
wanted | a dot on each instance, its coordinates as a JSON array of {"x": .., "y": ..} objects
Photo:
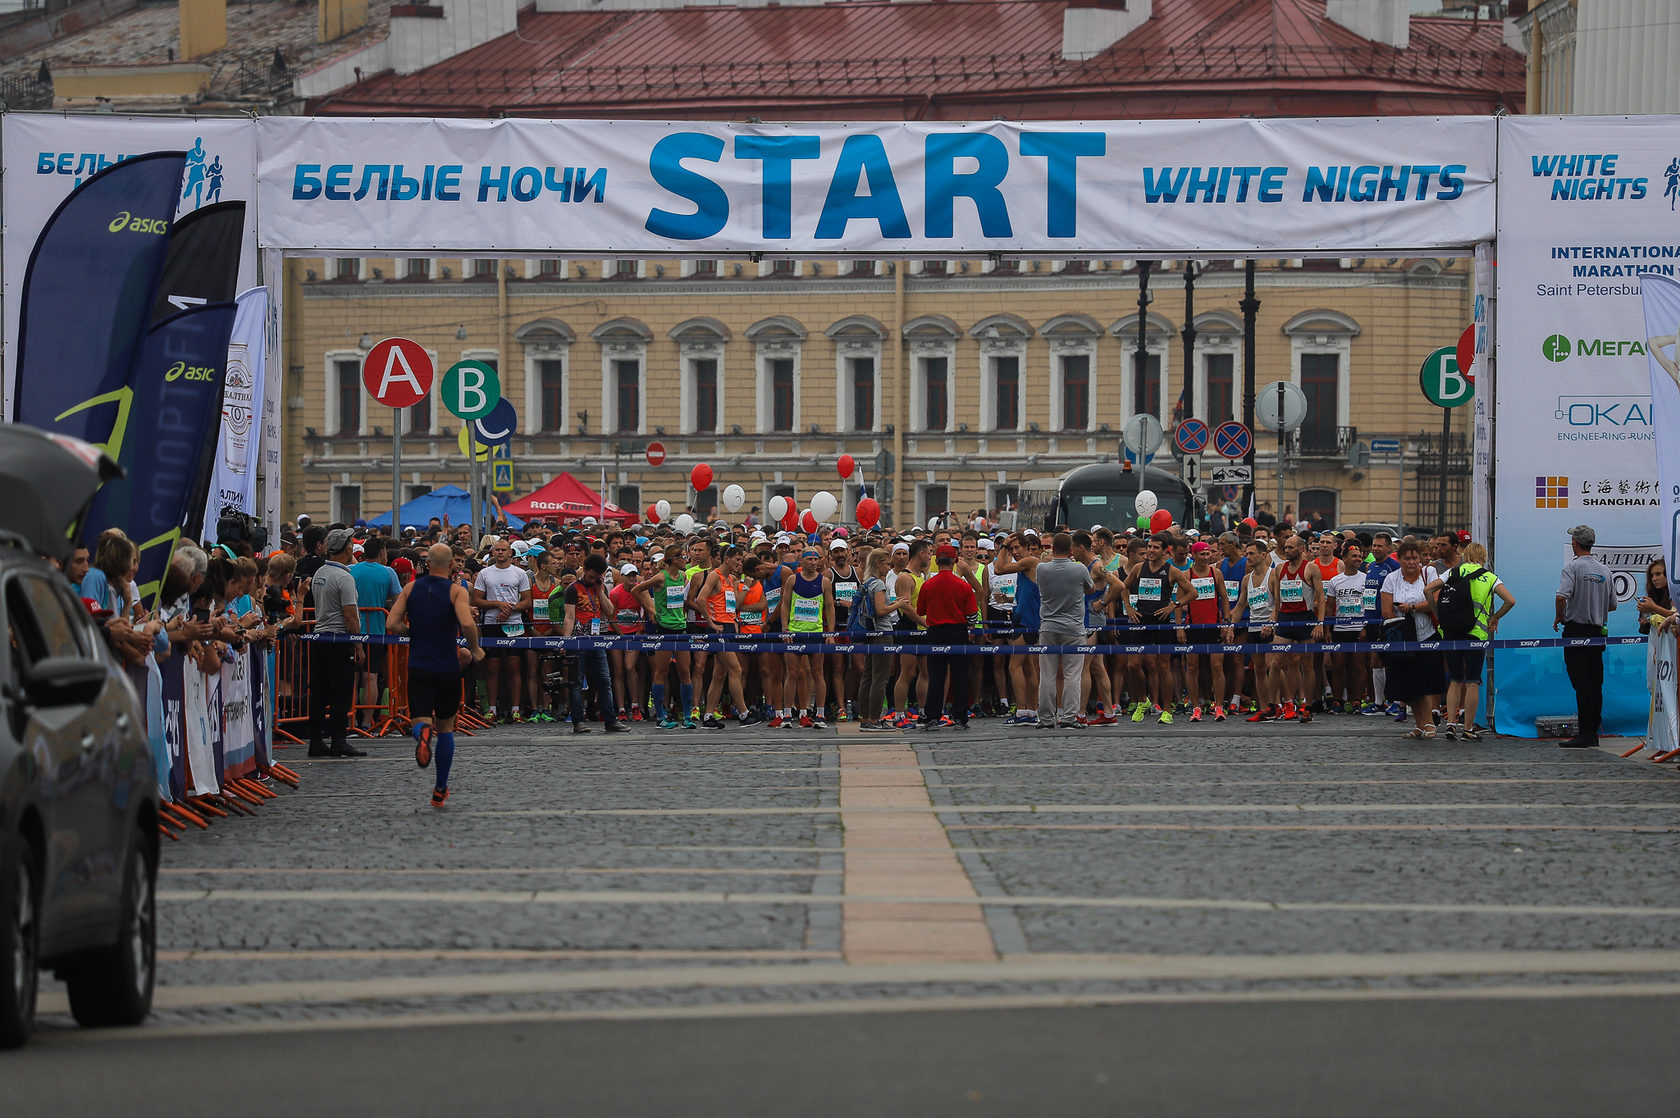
[
  {"x": 440, "y": 796},
  {"x": 1287, "y": 712},
  {"x": 423, "y": 744}
]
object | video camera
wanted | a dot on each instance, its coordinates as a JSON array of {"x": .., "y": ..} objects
[{"x": 234, "y": 525}]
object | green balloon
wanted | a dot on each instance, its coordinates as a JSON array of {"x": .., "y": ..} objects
[{"x": 1143, "y": 522}]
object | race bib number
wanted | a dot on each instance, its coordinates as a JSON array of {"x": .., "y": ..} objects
[
  {"x": 1232, "y": 590},
  {"x": 1370, "y": 600},
  {"x": 729, "y": 600},
  {"x": 772, "y": 599},
  {"x": 594, "y": 626},
  {"x": 539, "y": 609},
  {"x": 514, "y": 628},
  {"x": 1149, "y": 588},
  {"x": 807, "y": 609},
  {"x": 675, "y": 596},
  {"x": 844, "y": 592},
  {"x": 629, "y": 616},
  {"x": 1349, "y": 606},
  {"x": 1292, "y": 591},
  {"x": 1203, "y": 587},
  {"x": 752, "y": 617},
  {"x": 1258, "y": 599}
]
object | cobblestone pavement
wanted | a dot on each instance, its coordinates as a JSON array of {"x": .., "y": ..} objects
[{"x": 711, "y": 873}]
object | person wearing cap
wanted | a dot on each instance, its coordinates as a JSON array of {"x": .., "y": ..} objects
[
  {"x": 948, "y": 602},
  {"x": 1585, "y": 597},
  {"x": 332, "y": 664},
  {"x": 844, "y": 671},
  {"x": 628, "y": 679}
]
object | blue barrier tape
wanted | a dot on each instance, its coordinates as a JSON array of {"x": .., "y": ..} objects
[{"x": 686, "y": 642}]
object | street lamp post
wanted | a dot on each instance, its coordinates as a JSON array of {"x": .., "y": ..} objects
[
  {"x": 1140, "y": 394},
  {"x": 1191, "y": 270},
  {"x": 1250, "y": 308}
]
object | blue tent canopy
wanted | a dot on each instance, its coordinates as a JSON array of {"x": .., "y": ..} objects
[{"x": 446, "y": 500}]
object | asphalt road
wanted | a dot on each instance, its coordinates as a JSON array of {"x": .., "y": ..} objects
[{"x": 1158, "y": 920}]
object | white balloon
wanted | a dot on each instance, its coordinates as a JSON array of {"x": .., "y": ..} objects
[
  {"x": 933, "y": 523},
  {"x": 683, "y": 524},
  {"x": 824, "y": 505},
  {"x": 1147, "y": 502},
  {"x": 663, "y": 508},
  {"x": 778, "y": 508},
  {"x": 734, "y": 497}
]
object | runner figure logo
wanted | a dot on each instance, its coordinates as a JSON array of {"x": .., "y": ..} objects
[
  {"x": 1672, "y": 190},
  {"x": 204, "y": 176}
]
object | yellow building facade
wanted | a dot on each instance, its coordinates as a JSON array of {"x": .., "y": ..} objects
[{"x": 950, "y": 382}]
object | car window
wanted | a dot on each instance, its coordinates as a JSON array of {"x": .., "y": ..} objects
[{"x": 40, "y": 626}]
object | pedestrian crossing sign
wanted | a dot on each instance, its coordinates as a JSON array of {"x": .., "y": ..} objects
[{"x": 502, "y": 480}]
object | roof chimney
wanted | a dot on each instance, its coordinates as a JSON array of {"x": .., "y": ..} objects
[
  {"x": 1381, "y": 21},
  {"x": 1090, "y": 27}
]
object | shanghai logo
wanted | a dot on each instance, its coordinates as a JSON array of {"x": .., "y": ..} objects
[
  {"x": 1555, "y": 348},
  {"x": 1551, "y": 492}
]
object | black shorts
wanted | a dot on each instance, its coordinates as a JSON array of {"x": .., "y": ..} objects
[
  {"x": 1258, "y": 635},
  {"x": 1464, "y": 665},
  {"x": 433, "y": 694},
  {"x": 376, "y": 657},
  {"x": 1298, "y": 631}
]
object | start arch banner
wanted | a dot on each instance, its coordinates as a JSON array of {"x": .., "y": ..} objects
[{"x": 1200, "y": 187}]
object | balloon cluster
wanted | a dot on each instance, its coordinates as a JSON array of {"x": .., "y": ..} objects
[
  {"x": 824, "y": 505},
  {"x": 1150, "y": 516}
]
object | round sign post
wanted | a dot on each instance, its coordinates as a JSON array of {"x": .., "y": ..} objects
[
  {"x": 656, "y": 454},
  {"x": 1445, "y": 386},
  {"x": 1280, "y": 406},
  {"x": 397, "y": 373},
  {"x": 1142, "y": 437},
  {"x": 471, "y": 389}
]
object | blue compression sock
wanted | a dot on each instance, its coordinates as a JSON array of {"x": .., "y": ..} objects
[
  {"x": 687, "y": 698},
  {"x": 658, "y": 700},
  {"x": 445, "y": 757}
]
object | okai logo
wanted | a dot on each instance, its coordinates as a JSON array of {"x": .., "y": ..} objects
[
  {"x": 127, "y": 221},
  {"x": 182, "y": 371}
]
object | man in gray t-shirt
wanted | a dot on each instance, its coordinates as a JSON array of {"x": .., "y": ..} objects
[
  {"x": 332, "y": 664},
  {"x": 1585, "y": 597},
  {"x": 1062, "y": 586}
]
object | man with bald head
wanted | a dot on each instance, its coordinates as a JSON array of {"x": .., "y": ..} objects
[{"x": 433, "y": 610}]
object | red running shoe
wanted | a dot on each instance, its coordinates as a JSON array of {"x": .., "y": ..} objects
[
  {"x": 1264, "y": 714},
  {"x": 423, "y": 744},
  {"x": 1287, "y": 711},
  {"x": 440, "y": 796}
]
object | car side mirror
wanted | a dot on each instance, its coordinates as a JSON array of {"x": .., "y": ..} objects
[{"x": 59, "y": 681}]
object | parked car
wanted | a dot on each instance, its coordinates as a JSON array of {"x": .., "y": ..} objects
[{"x": 78, "y": 791}]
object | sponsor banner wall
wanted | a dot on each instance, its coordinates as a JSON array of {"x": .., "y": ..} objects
[
  {"x": 1214, "y": 187},
  {"x": 233, "y": 477},
  {"x": 1482, "y": 369},
  {"x": 1660, "y": 300},
  {"x": 1586, "y": 206},
  {"x": 47, "y": 155}
]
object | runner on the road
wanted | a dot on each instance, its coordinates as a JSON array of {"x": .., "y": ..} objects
[{"x": 432, "y": 610}]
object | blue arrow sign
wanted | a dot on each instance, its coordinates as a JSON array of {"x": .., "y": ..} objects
[
  {"x": 1232, "y": 440},
  {"x": 1385, "y": 446}
]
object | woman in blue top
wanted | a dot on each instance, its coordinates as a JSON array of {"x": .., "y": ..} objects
[{"x": 432, "y": 610}]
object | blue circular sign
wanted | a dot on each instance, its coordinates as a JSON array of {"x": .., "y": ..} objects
[
  {"x": 1232, "y": 440},
  {"x": 499, "y": 425},
  {"x": 1191, "y": 436}
]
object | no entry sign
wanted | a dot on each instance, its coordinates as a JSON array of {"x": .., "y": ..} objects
[
  {"x": 656, "y": 454},
  {"x": 398, "y": 372}
]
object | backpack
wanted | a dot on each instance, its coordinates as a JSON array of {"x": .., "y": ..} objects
[
  {"x": 1455, "y": 606},
  {"x": 859, "y": 620}
]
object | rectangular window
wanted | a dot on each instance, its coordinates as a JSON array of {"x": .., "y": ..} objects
[
  {"x": 551, "y": 381},
  {"x": 1151, "y": 382},
  {"x": 1221, "y": 387},
  {"x": 415, "y": 492},
  {"x": 484, "y": 269},
  {"x": 936, "y": 500},
  {"x": 629, "y": 497},
  {"x": 1076, "y": 266},
  {"x": 781, "y": 394},
  {"x": 933, "y": 267},
  {"x": 863, "y": 393},
  {"x": 703, "y": 502},
  {"x": 624, "y": 269},
  {"x": 1076, "y": 391},
  {"x": 349, "y": 389},
  {"x": 1009, "y": 267},
  {"x": 347, "y": 268},
  {"x": 1320, "y": 380},
  {"x": 420, "y": 417},
  {"x": 705, "y": 268},
  {"x": 705, "y": 394},
  {"x": 348, "y": 501},
  {"x": 628, "y": 378},
  {"x": 419, "y": 268},
  {"x": 934, "y": 383},
  {"x": 1006, "y": 378},
  {"x": 549, "y": 269},
  {"x": 863, "y": 267},
  {"x": 783, "y": 268}
]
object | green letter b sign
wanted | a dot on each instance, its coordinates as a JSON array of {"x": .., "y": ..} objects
[
  {"x": 471, "y": 389},
  {"x": 1442, "y": 383}
]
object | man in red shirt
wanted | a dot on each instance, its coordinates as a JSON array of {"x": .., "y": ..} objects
[{"x": 948, "y": 603}]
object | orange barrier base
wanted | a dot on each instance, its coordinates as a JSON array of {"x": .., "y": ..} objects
[
  {"x": 1669, "y": 756},
  {"x": 1634, "y": 750}
]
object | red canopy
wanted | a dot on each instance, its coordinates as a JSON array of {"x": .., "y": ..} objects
[{"x": 567, "y": 498}]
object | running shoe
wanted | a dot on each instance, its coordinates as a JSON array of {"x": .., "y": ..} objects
[
  {"x": 1104, "y": 717},
  {"x": 818, "y": 724},
  {"x": 694, "y": 715},
  {"x": 636, "y": 714},
  {"x": 1450, "y": 731},
  {"x": 1024, "y": 718},
  {"x": 691, "y": 723},
  {"x": 1397, "y": 709},
  {"x": 804, "y": 721},
  {"x": 623, "y": 715},
  {"x": 1196, "y": 714},
  {"x": 516, "y": 718},
  {"x": 1137, "y": 712},
  {"x": 775, "y": 722},
  {"x": 1264, "y": 714},
  {"x": 713, "y": 722},
  {"x": 1401, "y": 716},
  {"x": 841, "y": 715},
  {"x": 1218, "y": 713},
  {"x": 906, "y": 720},
  {"x": 440, "y": 796},
  {"x": 423, "y": 744},
  {"x": 667, "y": 723},
  {"x": 1166, "y": 718},
  {"x": 1306, "y": 714},
  {"x": 1287, "y": 711}
]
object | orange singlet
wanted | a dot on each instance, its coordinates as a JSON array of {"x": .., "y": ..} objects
[
  {"x": 720, "y": 607},
  {"x": 752, "y": 609}
]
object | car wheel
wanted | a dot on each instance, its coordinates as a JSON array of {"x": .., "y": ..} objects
[
  {"x": 19, "y": 945},
  {"x": 113, "y": 986}
]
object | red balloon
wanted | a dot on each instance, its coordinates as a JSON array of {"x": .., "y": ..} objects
[
  {"x": 700, "y": 477},
  {"x": 868, "y": 513},
  {"x": 1161, "y": 521},
  {"x": 808, "y": 521},
  {"x": 653, "y": 514},
  {"x": 791, "y": 520},
  {"x": 846, "y": 465}
]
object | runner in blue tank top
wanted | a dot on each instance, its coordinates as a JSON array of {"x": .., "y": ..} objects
[{"x": 432, "y": 611}]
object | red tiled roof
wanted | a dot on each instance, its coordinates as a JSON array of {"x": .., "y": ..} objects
[{"x": 956, "y": 59}]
